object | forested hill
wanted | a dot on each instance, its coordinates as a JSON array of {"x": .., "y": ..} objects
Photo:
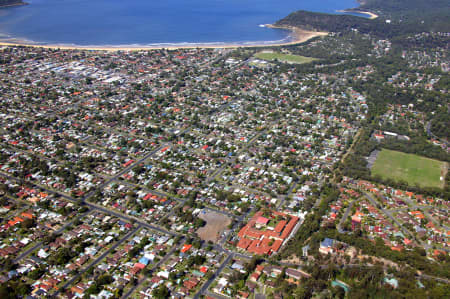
[
  {"x": 406, "y": 7},
  {"x": 11, "y": 2},
  {"x": 332, "y": 23},
  {"x": 405, "y": 17}
]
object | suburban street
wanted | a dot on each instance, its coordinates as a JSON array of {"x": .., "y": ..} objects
[
  {"x": 344, "y": 217},
  {"x": 209, "y": 281},
  {"x": 97, "y": 260}
]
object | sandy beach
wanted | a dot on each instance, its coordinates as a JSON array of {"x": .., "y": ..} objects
[
  {"x": 298, "y": 36},
  {"x": 370, "y": 14}
]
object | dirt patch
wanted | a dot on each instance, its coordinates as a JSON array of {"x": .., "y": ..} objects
[
  {"x": 386, "y": 263},
  {"x": 215, "y": 224},
  {"x": 444, "y": 170},
  {"x": 372, "y": 158},
  {"x": 293, "y": 259}
]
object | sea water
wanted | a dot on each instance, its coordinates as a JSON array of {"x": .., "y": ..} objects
[{"x": 154, "y": 22}]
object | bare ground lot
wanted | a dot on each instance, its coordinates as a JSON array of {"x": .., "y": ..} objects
[{"x": 215, "y": 224}]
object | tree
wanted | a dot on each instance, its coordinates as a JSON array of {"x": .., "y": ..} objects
[
  {"x": 104, "y": 279},
  {"x": 161, "y": 292}
]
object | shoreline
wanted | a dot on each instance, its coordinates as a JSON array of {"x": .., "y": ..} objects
[
  {"x": 356, "y": 10},
  {"x": 14, "y": 4},
  {"x": 298, "y": 36}
]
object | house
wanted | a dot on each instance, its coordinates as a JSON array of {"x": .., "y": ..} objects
[
  {"x": 296, "y": 274},
  {"x": 186, "y": 248},
  {"x": 238, "y": 265},
  {"x": 191, "y": 283},
  {"x": 391, "y": 281},
  {"x": 326, "y": 246},
  {"x": 255, "y": 276},
  {"x": 272, "y": 271}
]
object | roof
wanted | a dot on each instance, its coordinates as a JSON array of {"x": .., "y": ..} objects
[
  {"x": 244, "y": 243},
  {"x": 143, "y": 260},
  {"x": 392, "y": 281},
  {"x": 327, "y": 242},
  {"x": 262, "y": 220},
  {"x": 279, "y": 227},
  {"x": 186, "y": 248}
]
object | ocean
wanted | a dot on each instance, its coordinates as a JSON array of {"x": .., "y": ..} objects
[{"x": 154, "y": 23}]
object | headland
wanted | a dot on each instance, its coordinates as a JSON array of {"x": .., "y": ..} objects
[{"x": 10, "y": 3}]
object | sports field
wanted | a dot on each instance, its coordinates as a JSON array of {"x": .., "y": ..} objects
[
  {"x": 410, "y": 168},
  {"x": 284, "y": 57}
]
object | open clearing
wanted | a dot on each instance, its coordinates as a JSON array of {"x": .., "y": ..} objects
[
  {"x": 284, "y": 57},
  {"x": 215, "y": 224},
  {"x": 410, "y": 168}
]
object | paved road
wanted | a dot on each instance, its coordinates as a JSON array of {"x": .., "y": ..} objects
[
  {"x": 420, "y": 275},
  {"x": 130, "y": 219},
  {"x": 97, "y": 260},
  {"x": 221, "y": 212},
  {"x": 213, "y": 277},
  {"x": 155, "y": 192},
  {"x": 387, "y": 213},
  {"x": 123, "y": 171},
  {"x": 440, "y": 279},
  {"x": 215, "y": 295},
  {"x": 99, "y": 208},
  {"x": 231, "y": 160},
  {"x": 92, "y": 206},
  {"x": 347, "y": 211},
  {"x": 156, "y": 266},
  {"x": 39, "y": 244},
  {"x": 428, "y": 129},
  {"x": 425, "y": 212},
  {"x": 217, "y": 172}
]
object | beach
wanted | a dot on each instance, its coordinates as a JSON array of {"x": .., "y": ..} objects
[
  {"x": 370, "y": 14},
  {"x": 297, "y": 36}
]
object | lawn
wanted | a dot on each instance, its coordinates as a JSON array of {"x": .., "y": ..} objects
[
  {"x": 408, "y": 167},
  {"x": 284, "y": 57}
]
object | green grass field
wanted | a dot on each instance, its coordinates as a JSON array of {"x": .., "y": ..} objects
[
  {"x": 410, "y": 168},
  {"x": 284, "y": 57}
]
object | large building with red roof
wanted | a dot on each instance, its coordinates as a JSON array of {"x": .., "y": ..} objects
[{"x": 264, "y": 234}]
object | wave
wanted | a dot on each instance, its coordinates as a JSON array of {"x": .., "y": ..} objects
[
  {"x": 22, "y": 41},
  {"x": 7, "y": 37}
]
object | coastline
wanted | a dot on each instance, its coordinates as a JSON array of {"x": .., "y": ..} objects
[
  {"x": 14, "y": 4},
  {"x": 356, "y": 10},
  {"x": 298, "y": 36}
]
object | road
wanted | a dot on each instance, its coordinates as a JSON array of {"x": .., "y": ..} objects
[
  {"x": 156, "y": 266},
  {"x": 215, "y": 295},
  {"x": 232, "y": 216},
  {"x": 129, "y": 219},
  {"x": 84, "y": 200},
  {"x": 123, "y": 171},
  {"x": 206, "y": 285},
  {"x": 425, "y": 212},
  {"x": 419, "y": 275},
  {"x": 388, "y": 213},
  {"x": 97, "y": 260},
  {"x": 155, "y": 192},
  {"x": 428, "y": 129},
  {"x": 100, "y": 208},
  {"x": 39, "y": 244},
  {"x": 347, "y": 211}
]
